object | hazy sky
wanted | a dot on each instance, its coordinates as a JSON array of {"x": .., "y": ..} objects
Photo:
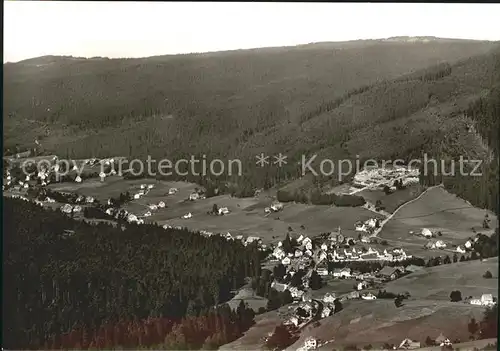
[{"x": 133, "y": 29}]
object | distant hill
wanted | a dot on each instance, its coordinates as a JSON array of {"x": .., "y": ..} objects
[{"x": 386, "y": 98}]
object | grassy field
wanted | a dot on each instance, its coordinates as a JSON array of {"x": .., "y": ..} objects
[
  {"x": 247, "y": 217},
  {"x": 436, "y": 283},
  {"x": 379, "y": 321},
  {"x": 252, "y": 339},
  {"x": 393, "y": 200},
  {"x": 436, "y": 210},
  {"x": 248, "y": 296},
  {"x": 337, "y": 286}
]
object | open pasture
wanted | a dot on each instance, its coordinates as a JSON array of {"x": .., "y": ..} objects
[
  {"x": 437, "y": 210},
  {"x": 247, "y": 217},
  {"x": 377, "y": 322},
  {"x": 395, "y": 199},
  {"x": 436, "y": 283}
]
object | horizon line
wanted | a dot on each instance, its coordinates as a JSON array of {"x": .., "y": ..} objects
[{"x": 247, "y": 49}]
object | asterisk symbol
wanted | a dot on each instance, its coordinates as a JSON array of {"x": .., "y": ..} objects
[
  {"x": 280, "y": 159},
  {"x": 262, "y": 160}
]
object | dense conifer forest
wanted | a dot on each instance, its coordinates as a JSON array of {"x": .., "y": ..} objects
[{"x": 66, "y": 276}]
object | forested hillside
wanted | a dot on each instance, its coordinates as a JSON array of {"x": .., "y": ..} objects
[
  {"x": 368, "y": 99},
  {"x": 67, "y": 276}
]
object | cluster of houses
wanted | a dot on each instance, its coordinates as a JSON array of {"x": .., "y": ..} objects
[
  {"x": 373, "y": 176},
  {"x": 67, "y": 208},
  {"x": 304, "y": 311},
  {"x": 312, "y": 343},
  {"x": 145, "y": 188},
  {"x": 124, "y": 214},
  {"x": 409, "y": 344},
  {"x": 434, "y": 244},
  {"x": 197, "y": 195},
  {"x": 330, "y": 250}
]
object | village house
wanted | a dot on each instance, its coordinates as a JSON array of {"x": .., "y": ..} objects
[
  {"x": 329, "y": 298},
  {"x": 276, "y": 207},
  {"x": 310, "y": 343},
  {"x": 279, "y": 253},
  {"x": 368, "y": 296},
  {"x": 161, "y": 204},
  {"x": 460, "y": 249},
  {"x": 223, "y": 211},
  {"x": 172, "y": 191},
  {"x": 322, "y": 271},
  {"x": 322, "y": 256},
  {"x": 251, "y": 239},
  {"x": 133, "y": 218},
  {"x": 440, "y": 244},
  {"x": 408, "y": 344},
  {"x": 326, "y": 312},
  {"x": 485, "y": 300},
  {"x": 441, "y": 340},
  {"x": 66, "y": 208},
  {"x": 362, "y": 285},
  {"x": 286, "y": 261},
  {"x": 137, "y": 196},
  {"x": 426, "y": 233},
  {"x": 147, "y": 214},
  {"x": 77, "y": 208},
  {"x": 342, "y": 273},
  {"x": 194, "y": 196},
  {"x": 389, "y": 273},
  {"x": 296, "y": 293},
  {"x": 153, "y": 207},
  {"x": 293, "y": 320},
  {"x": 187, "y": 216},
  {"x": 468, "y": 244}
]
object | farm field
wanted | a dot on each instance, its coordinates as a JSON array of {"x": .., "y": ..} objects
[
  {"x": 436, "y": 283},
  {"x": 249, "y": 218},
  {"x": 376, "y": 322},
  {"x": 246, "y": 215},
  {"x": 337, "y": 286},
  {"x": 392, "y": 201},
  {"x": 437, "y": 210}
]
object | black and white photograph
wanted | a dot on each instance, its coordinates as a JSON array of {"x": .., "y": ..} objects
[{"x": 280, "y": 176}]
